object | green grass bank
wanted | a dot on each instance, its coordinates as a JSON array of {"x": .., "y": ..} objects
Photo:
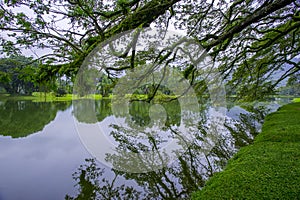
[{"x": 267, "y": 169}]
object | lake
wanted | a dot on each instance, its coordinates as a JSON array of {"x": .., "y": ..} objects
[{"x": 89, "y": 149}]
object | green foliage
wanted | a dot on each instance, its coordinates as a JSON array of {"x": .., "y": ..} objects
[
  {"x": 4, "y": 78},
  {"x": 86, "y": 81},
  {"x": 105, "y": 85},
  {"x": 17, "y": 76},
  {"x": 292, "y": 87},
  {"x": 267, "y": 169}
]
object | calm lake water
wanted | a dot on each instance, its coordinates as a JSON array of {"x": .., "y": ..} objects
[{"x": 44, "y": 155}]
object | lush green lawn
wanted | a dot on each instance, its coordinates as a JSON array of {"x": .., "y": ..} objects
[
  {"x": 296, "y": 100},
  {"x": 40, "y": 97},
  {"x": 268, "y": 169}
]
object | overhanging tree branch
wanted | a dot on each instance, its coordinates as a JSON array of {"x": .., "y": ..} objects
[{"x": 255, "y": 17}]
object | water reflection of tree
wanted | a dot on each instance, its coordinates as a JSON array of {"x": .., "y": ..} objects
[
  {"x": 103, "y": 109},
  {"x": 139, "y": 112},
  {"x": 22, "y": 118},
  {"x": 91, "y": 111},
  {"x": 92, "y": 186},
  {"x": 179, "y": 179},
  {"x": 248, "y": 126}
]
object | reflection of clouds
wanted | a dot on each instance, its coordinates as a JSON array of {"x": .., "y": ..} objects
[
  {"x": 121, "y": 139},
  {"x": 204, "y": 129},
  {"x": 170, "y": 142},
  {"x": 125, "y": 136},
  {"x": 35, "y": 166},
  {"x": 194, "y": 164},
  {"x": 235, "y": 112},
  {"x": 188, "y": 172}
]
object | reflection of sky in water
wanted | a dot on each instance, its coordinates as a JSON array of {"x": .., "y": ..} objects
[
  {"x": 40, "y": 166},
  {"x": 235, "y": 112}
]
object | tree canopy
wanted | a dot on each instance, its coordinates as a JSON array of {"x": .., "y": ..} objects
[
  {"x": 16, "y": 77},
  {"x": 252, "y": 40}
]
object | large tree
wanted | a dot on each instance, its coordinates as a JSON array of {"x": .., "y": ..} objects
[
  {"x": 16, "y": 77},
  {"x": 252, "y": 39}
]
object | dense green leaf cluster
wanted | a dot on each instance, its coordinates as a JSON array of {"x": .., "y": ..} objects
[{"x": 17, "y": 76}]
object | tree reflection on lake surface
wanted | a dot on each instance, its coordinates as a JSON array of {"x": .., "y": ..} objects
[
  {"x": 179, "y": 176},
  {"x": 32, "y": 163},
  {"x": 22, "y": 118}
]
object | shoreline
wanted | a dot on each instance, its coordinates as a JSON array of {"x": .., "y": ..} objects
[{"x": 267, "y": 169}]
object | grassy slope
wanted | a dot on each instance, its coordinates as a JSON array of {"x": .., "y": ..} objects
[{"x": 268, "y": 169}]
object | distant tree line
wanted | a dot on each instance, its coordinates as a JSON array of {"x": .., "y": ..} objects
[
  {"x": 20, "y": 75},
  {"x": 292, "y": 86}
]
